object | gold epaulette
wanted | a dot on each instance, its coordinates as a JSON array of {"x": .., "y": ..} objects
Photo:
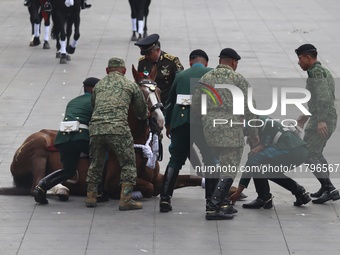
[
  {"x": 141, "y": 58},
  {"x": 170, "y": 57}
]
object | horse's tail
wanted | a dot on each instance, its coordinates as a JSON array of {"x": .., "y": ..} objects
[{"x": 15, "y": 191}]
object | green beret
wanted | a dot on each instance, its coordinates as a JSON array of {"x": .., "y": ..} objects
[{"x": 116, "y": 62}]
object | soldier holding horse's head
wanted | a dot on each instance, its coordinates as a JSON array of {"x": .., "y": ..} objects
[{"x": 109, "y": 130}]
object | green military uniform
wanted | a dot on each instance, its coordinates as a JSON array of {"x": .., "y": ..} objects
[
  {"x": 226, "y": 142},
  {"x": 72, "y": 144},
  {"x": 167, "y": 66},
  {"x": 321, "y": 85},
  {"x": 109, "y": 126},
  {"x": 177, "y": 116}
]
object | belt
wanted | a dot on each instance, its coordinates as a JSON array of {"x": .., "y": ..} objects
[{"x": 83, "y": 126}]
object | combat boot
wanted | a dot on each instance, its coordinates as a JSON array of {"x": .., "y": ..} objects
[
  {"x": 214, "y": 204},
  {"x": 126, "y": 202},
  {"x": 92, "y": 193}
]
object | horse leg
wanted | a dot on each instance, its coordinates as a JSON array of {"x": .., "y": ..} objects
[
  {"x": 35, "y": 17},
  {"x": 62, "y": 192},
  {"x": 76, "y": 21},
  {"x": 46, "y": 17},
  {"x": 145, "y": 187},
  {"x": 146, "y": 13}
]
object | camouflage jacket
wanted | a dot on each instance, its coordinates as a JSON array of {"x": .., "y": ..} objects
[
  {"x": 167, "y": 66},
  {"x": 321, "y": 85},
  {"x": 223, "y": 135},
  {"x": 111, "y": 99}
]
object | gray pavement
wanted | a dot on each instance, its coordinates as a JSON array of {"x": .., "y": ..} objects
[{"x": 35, "y": 88}]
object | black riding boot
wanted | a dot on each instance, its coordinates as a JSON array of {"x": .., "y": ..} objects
[
  {"x": 47, "y": 183},
  {"x": 213, "y": 210},
  {"x": 265, "y": 201},
  {"x": 170, "y": 177}
]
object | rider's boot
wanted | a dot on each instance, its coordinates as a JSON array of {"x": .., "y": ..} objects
[
  {"x": 47, "y": 183},
  {"x": 168, "y": 186},
  {"x": 126, "y": 202}
]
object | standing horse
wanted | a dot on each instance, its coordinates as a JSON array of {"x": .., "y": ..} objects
[
  {"x": 64, "y": 18},
  {"x": 37, "y": 14},
  {"x": 37, "y": 157}
]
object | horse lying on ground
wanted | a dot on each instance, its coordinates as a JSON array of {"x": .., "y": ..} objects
[{"x": 37, "y": 157}]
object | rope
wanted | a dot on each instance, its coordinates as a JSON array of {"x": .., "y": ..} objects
[{"x": 151, "y": 153}]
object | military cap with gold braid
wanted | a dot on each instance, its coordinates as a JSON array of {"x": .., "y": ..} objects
[{"x": 147, "y": 44}]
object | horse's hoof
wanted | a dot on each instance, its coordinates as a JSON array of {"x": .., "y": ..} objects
[
  {"x": 35, "y": 41},
  {"x": 63, "y": 59},
  {"x": 68, "y": 57},
  {"x": 46, "y": 45},
  {"x": 63, "y": 197},
  {"x": 70, "y": 49},
  {"x": 134, "y": 37},
  {"x": 27, "y": 3},
  {"x": 145, "y": 34},
  {"x": 57, "y": 55}
]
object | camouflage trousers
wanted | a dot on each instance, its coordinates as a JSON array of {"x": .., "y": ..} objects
[
  {"x": 229, "y": 159},
  {"x": 315, "y": 143},
  {"x": 122, "y": 146}
]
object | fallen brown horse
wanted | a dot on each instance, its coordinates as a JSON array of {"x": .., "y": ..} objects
[{"x": 37, "y": 157}]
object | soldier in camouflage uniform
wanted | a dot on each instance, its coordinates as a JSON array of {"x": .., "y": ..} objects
[
  {"x": 225, "y": 142},
  {"x": 167, "y": 65},
  {"x": 323, "y": 121},
  {"x": 71, "y": 144},
  {"x": 109, "y": 129}
]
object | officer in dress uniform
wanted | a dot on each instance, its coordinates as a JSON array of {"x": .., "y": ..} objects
[
  {"x": 167, "y": 64},
  {"x": 177, "y": 118},
  {"x": 71, "y": 140}
]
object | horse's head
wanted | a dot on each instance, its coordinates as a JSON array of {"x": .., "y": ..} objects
[{"x": 152, "y": 96}]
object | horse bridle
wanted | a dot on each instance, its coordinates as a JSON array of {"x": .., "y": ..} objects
[{"x": 151, "y": 85}]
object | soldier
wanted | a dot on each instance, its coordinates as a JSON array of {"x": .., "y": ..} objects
[
  {"x": 226, "y": 142},
  {"x": 322, "y": 123},
  {"x": 177, "y": 118},
  {"x": 72, "y": 140},
  {"x": 279, "y": 147},
  {"x": 167, "y": 65},
  {"x": 109, "y": 129}
]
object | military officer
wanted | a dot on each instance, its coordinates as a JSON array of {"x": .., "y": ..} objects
[
  {"x": 72, "y": 140},
  {"x": 225, "y": 141},
  {"x": 167, "y": 65},
  {"x": 109, "y": 129},
  {"x": 322, "y": 122},
  {"x": 279, "y": 147},
  {"x": 177, "y": 118}
]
